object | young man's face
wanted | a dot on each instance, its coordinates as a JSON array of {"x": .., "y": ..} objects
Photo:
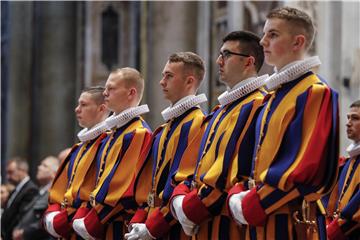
[
  {"x": 116, "y": 94},
  {"x": 173, "y": 82},
  {"x": 353, "y": 124},
  {"x": 87, "y": 111},
  {"x": 278, "y": 43},
  {"x": 231, "y": 67}
]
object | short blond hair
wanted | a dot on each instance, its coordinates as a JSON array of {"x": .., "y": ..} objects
[
  {"x": 299, "y": 21},
  {"x": 131, "y": 78}
]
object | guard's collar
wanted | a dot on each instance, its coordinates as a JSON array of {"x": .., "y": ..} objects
[
  {"x": 291, "y": 72},
  {"x": 89, "y": 134},
  {"x": 353, "y": 149},
  {"x": 125, "y": 116},
  {"x": 242, "y": 89},
  {"x": 182, "y": 106}
]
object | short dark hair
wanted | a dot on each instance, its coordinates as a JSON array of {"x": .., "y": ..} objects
[
  {"x": 299, "y": 20},
  {"x": 96, "y": 93},
  {"x": 250, "y": 44},
  {"x": 192, "y": 63},
  {"x": 355, "y": 104}
]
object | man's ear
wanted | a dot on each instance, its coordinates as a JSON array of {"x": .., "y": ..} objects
[
  {"x": 103, "y": 107},
  {"x": 190, "y": 80},
  {"x": 250, "y": 61},
  {"x": 132, "y": 93},
  {"x": 299, "y": 41}
]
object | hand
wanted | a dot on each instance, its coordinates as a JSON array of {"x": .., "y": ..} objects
[
  {"x": 17, "y": 234},
  {"x": 80, "y": 229},
  {"x": 235, "y": 207},
  {"x": 188, "y": 226},
  {"x": 139, "y": 231},
  {"x": 49, "y": 224}
]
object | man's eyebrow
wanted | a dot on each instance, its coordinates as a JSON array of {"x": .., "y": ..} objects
[
  {"x": 273, "y": 30},
  {"x": 167, "y": 72}
]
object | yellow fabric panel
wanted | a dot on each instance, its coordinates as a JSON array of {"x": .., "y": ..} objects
[
  {"x": 89, "y": 183},
  {"x": 353, "y": 186},
  {"x": 59, "y": 185},
  {"x": 204, "y": 165},
  {"x": 81, "y": 165},
  {"x": 143, "y": 186},
  {"x": 186, "y": 167},
  {"x": 84, "y": 180},
  {"x": 124, "y": 174}
]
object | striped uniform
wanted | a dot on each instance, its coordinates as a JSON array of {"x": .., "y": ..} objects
[
  {"x": 68, "y": 183},
  {"x": 112, "y": 199},
  {"x": 169, "y": 149},
  {"x": 344, "y": 201},
  {"x": 228, "y": 137},
  {"x": 296, "y": 158}
]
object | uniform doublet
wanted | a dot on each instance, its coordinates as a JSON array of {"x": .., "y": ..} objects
[
  {"x": 228, "y": 137},
  {"x": 295, "y": 159},
  {"x": 112, "y": 198},
  {"x": 69, "y": 187},
  {"x": 154, "y": 185}
]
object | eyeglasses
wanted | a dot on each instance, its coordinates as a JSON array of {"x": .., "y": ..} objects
[{"x": 226, "y": 54}]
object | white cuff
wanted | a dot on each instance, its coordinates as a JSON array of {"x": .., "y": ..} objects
[
  {"x": 176, "y": 203},
  {"x": 236, "y": 209},
  {"x": 49, "y": 223},
  {"x": 80, "y": 229},
  {"x": 188, "y": 226}
]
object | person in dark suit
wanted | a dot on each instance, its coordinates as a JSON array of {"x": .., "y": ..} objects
[
  {"x": 30, "y": 227},
  {"x": 17, "y": 173}
]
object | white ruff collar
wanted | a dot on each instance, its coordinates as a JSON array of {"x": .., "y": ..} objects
[
  {"x": 125, "y": 116},
  {"x": 89, "y": 134},
  {"x": 247, "y": 86},
  {"x": 178, "y": 109},
  {"x": 353, "y": 149},
  {"x": 291, "y": 73}
]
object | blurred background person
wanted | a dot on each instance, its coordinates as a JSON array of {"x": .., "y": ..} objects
[
  {"x": 17, "y": 173},
  {"x": 29, "y": 225},
  {"x": 63, "y": 154}
]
